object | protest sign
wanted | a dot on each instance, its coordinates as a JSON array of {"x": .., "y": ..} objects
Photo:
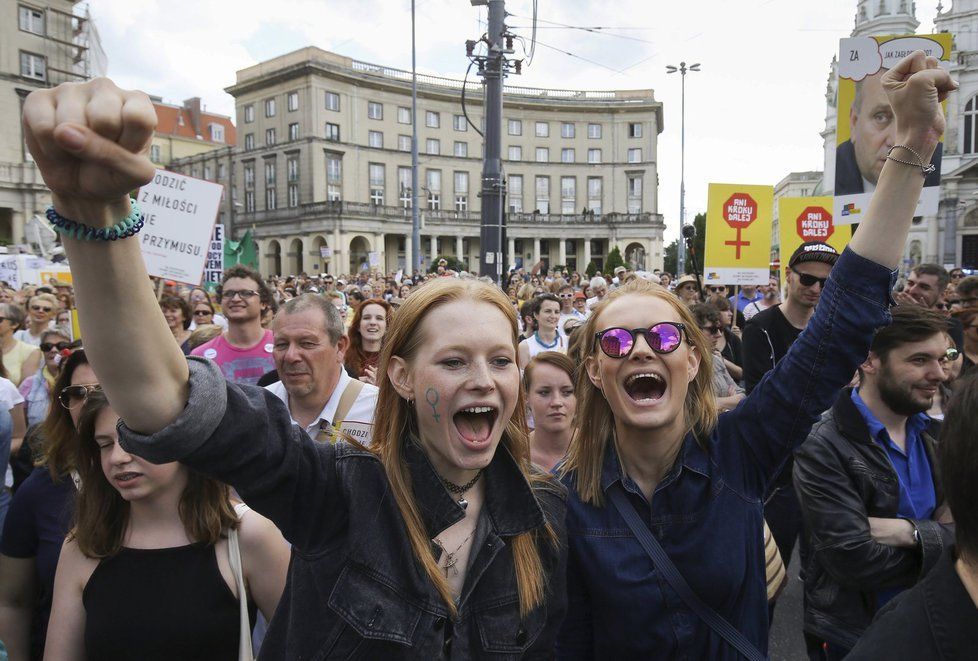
[
  {"x": 10, "y": 271},
  {"x": 738, "y": 234},
  {"x": 180, "y": 212},
  {"x": 866, "y": 128},
  {"x": 374, "y": 259},
  {"x": 214, "y": 268},
  {"x": 325, "y": 252},
  {"x": 803, "y": 219}
]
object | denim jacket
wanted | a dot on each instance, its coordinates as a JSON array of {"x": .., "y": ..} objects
[
  {"x": 354, "y": 587},
  {"x": 707, "y": 512}
]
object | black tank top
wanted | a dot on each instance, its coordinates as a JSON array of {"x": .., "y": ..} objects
[{"x": 150, "y": 604}]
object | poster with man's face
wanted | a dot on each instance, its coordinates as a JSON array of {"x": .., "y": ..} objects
[{"x": 866, "y": 125}]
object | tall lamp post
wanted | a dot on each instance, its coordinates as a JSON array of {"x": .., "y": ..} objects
[{"x": 682, "y": 69}]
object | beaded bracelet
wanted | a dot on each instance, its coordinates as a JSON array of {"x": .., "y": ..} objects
[{"x": 128, "y": 226}]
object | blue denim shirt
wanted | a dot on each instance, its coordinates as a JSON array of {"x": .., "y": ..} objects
[{"x": 707, "y": 513}]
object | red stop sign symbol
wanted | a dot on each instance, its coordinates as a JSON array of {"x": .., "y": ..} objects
[
  {"x": 740, "y": 210},
  {"x": 815, "y": 224}
]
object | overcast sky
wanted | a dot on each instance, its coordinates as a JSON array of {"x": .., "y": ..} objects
[{"x": 753, "y": 114}]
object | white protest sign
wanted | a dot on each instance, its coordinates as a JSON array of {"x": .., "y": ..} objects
[
  {"x": 214, "y": 268},
  {"x": 374, "y": 258},
  {"x": 325, "y": 252},
  {"x": 10, "y": 272},
  {"x": 180, "y": 212}
]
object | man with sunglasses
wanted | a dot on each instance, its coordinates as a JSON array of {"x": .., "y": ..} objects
[
  {"x": 867, "y": 482},
  {"x": 244, "y": 350}
]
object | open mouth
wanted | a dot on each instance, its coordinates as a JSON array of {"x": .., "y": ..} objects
[
  {"x": 644, "y": 387},
  {"x": 475, "y": 423},
  {"x": 123, "y": 478}
]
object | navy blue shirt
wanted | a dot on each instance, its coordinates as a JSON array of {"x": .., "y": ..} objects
[
  {"x": 918, "y": 498},
  {"x": 707, "y": 513}
]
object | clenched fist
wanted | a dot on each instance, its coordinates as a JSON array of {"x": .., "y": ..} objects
[{"x": 90, "y": 141}]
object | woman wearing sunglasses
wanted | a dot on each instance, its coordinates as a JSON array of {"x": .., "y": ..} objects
[
  {"x": 665, "y": 513},
  {"x": 39, "y": 518},
  {"x": 36, "y": 388},
  {"x": 203, "y": 314},
  {"x": 41, "y": 311}
]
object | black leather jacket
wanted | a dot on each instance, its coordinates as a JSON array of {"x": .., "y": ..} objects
[
  {"x": 842, "y": 477},
  {"x": 354, "y": 587}
]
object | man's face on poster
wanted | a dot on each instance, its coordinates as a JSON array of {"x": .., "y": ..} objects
[{"x": 872, "y": 126}]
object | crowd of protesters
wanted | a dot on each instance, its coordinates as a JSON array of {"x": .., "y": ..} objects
[{"x": 430, "y": 466}]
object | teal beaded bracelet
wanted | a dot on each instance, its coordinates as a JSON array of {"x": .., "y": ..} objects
[{"x": 128, "y": 226}]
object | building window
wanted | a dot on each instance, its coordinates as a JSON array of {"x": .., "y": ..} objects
[
  {"x": 249, "y": 175},
  {"x": 294, "y": 131},
  {"x": 635, "y": 155},
  {"x": 271, "y": 201},
  {"x": 566, "y": 155},
  {"x": 334, "y": 178},
  {"x": 31, "y": 19},
  {"x": 270, "y": 172},
  {"x": 543, "y": 155},
  {"x": 543, "y": 194},
  {"x": 461, "y": 149},
  {"x": 404, "y": 187},
  {"x": 193, "y": 171},
  {"x": 249, "y": 142},
  {"x": 515, "y": 193},
  {"x": 293, "y": 195},
  {"x": 375, "y": 110},
  {"x": 332, "y": 101},
  {"x": 376, "y": 172},
  {"x": 634, "y": 190},
  {"x": 249, "y": 200},
  {"x": 292, "y": 168},
  {"x": 403, "y": 115},
  {"x": 432, "y": 119},
  {"x": 207, "y": 172},
  {"x": 567, "y": 130},
  {"x": 515, "y": 153},
  {"x": 971, "y": 126},
  {"x": 434, "y": 189},
  {"x": 375, "y": 139},
  {"x": 222, "y": 171},
  {"x": 459, "y": 123},
  {"x": 154, "y": 154},
  {"x": 594, "y": 195},
  {"x": 634, "y": 130},
  {"x": 515, "y": 127},
  {"x": 269, "y": 137},
  {"x": 593, "y": 155},
  {"x": 461, "y": 191},
  {"x": 404, "y": 142},
  {"x": 332, "y": 132},
  {"x": 270, "y": 107},
  {"x": 432, "y": 146},
  {"x": 594, "y": 131},
  {"x": 568, "y": 195},
  {"x": 292, "y": 101},
  {"x": 542, "y": 129},
  {"x": 33, "y": 66},
  {"x": 217, "y": 133},
  {"x": 249, "y": 113}
]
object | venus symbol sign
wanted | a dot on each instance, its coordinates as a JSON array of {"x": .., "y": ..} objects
[
  {"x": 815, "y": 224},
  {"x": 739, "y": 211}
]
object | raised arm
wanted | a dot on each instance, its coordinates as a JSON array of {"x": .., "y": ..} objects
[{"x": 90, "y": 141}]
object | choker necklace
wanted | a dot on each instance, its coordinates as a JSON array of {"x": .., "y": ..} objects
[
  {"x": 543, "y": 344},
  {"x": 460, "y": 489}
]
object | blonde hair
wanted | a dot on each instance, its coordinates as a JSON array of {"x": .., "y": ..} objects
[
  {"x": 594, "y": 422},
  {"x": 395, "y": 423}
]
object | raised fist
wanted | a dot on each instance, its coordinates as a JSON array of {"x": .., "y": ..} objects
[
  {"x": 90, "y": 141},
  {"x": 916, "y": 86}
]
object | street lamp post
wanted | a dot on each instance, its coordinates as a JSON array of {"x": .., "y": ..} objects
[{"x": 682, "y": 69}]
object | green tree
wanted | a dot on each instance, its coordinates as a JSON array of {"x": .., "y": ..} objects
[
  {"x": 671, "y": 256},
  {"x": 453, "y": 264},
  {"x": 590, "y": 270},
  {"x": 614, "y": 260},
  {"x": 670, "y": 259}
]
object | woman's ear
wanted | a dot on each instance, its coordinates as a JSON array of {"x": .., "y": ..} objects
[
  {"x": 593, "y": 373},
  {"x": 399, "y": 374}
]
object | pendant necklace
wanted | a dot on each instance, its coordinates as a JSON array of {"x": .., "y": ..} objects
[
  {"x": 459, "y": 490},
  {"x": 451, "y": 559}
]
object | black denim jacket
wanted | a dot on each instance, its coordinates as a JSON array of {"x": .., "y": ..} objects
[{"x": 354, "y": 588}]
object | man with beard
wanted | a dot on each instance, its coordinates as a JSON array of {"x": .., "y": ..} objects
[{"x": 868, "y": 483}]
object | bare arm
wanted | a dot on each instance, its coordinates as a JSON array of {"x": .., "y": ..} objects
[
  {"x": 523, "y": 354},
  {"x": 20, "y": 428},
  {"x": 66, "y": 628},
  {"x": 90, "y": 142},
  {"x": 915, "y": 88},
  {"x": 30, "y": 365},
  {"x": 265, "y": 560},
  {"x": 17, "y": 585}
]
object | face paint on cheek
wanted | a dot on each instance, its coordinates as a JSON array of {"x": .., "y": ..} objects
[{"x": 431, "y": 396}]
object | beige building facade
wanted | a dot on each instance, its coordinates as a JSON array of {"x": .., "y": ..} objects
[{"x": 322, "y": 169}]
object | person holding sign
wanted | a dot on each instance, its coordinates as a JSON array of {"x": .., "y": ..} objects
[
  {"x": 665, "y": 512},
  {"x": 439, "y": 541}
]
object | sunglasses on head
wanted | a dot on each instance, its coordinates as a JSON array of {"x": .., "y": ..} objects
[
  {"x": 72, "y": 396},
  {"x": 663, "y": 337},
  {"x": 60, "y": 346},
  {"x": 808, "y": 280}
]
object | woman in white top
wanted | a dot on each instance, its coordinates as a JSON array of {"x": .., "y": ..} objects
[
  {"x": 13, "y": 426},
  {"x": 546, "y": 314}
]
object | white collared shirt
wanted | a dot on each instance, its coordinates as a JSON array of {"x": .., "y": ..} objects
[{"x": 361, "y": 414}]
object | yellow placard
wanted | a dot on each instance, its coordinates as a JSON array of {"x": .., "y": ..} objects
[
  {"x": 804, "y": 219},
  {"x": 738, "y": 234},
  {"x": 75, "y": 328},
  {"x": 61, "y": 276}
]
